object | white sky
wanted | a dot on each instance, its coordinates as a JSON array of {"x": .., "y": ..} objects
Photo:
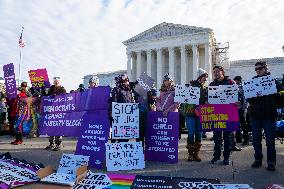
[{"x": 72, "y": 38}]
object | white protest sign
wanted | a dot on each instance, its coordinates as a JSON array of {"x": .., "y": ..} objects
[
  {"x": 187, "y": 94},
  {"x": 10, "y": 173},
  {"x": 259, "y": 86},
  {"x": 66, "y": 173},
  {"x": 94, "y": 180},
  {"x": 223, "y": 94},
  {"x": 124, "y": 156},
  {"x": 126, "y": 120}
]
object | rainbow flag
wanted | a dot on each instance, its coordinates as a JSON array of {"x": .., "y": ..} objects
[{"x": 120, "y": 181}]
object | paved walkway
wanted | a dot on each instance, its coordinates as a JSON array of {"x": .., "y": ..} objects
[{"x": 239, "y": 171}]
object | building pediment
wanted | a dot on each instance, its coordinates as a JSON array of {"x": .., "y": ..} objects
[{"x": 166, "y": 30}]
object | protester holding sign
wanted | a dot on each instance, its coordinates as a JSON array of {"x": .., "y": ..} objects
[
  {"x": 263, "y": 116},
  {"x": 220, "y": 79},
  {"x": 165, "y": 102},
  {"x": 121, "y": 94},
  {"x": 23, "y": 92},
  {"x": 192, "y": 120},
  {"x": 55, "y": 89}
]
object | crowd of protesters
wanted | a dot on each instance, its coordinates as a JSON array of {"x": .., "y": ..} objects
[{"x": 255, "y": 114}]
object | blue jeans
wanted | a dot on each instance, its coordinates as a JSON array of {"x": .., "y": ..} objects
[
  {"x": 193, "y": 128},
  {"x": 217, "y": 136},
  {"x": 268, "y": 125}
]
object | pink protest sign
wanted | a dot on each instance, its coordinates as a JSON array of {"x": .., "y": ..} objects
[
  {"x": 39, "y": 78},
  {"x": 219, "y": 117}
]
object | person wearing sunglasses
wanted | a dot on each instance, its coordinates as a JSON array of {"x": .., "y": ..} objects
[{"x": 263, "y": 116}]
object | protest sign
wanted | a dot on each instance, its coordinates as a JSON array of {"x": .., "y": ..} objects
[
  {"x": 14, "y": 172},
  {"x": 94, "y": 181},
  {"x": 187, "y": 94},
  {"x": 223, "y": 94},
  {"x": 66, "y": 172},
  {"x": 124, "y": 156},
  {"x": 259, "y": 86},
  {"x": 126, "y": 120},
  {"x": 94, "y": 135},
  {"x": 120, "y": 181},
  {"x": 162, "y": 137},
  {"x": 219, "y": 117},
  {"x": 10, "y": 81},
  {"x": 39, "y": 78},
  {"x": 62, "y": 115}
]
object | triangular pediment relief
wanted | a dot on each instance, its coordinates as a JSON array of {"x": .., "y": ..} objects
[{"x": 166, "y": 30}]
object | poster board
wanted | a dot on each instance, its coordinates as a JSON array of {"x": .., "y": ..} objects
[
  {"x": 223, "y": 94},
  {"x": 187, "y": 94}
]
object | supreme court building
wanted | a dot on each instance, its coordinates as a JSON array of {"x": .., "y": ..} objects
[{"x": 170, "y": 48}]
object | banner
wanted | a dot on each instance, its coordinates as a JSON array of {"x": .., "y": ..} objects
[
  {"x": 10, "y": 81},
  {"x": 39, "y": 78},
  {"x": 62, "y": 115},
  {"x": 93, "y": 181},
  {"x": 219, "y": 117},
  {"x": 94, "y": 135},
  {"x": 259, "y": 86},
  {"x": 124, "y": 156},
  {"x": 162, "y": 137},
  {"x": 187, "y": 94},
  {"x": 126, "y": 120},
  {"x": 223, "y": 94}
]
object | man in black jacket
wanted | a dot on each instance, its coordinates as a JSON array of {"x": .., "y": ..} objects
[
  {"x": 220, "y": 79},
  {"x": 263, "y": 116}
]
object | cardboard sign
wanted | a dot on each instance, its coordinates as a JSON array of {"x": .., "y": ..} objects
[
  {"x": 94, "y": 135},
  {"x": 10, "y": 81},
  {"x": 94, "y": 180},
  {"x": 162, "y": 137},
  {"x": 62, "y": 115},
  {"x": 259, "y": 86},
  {"x": 145, "y": 82},
  {"x": 187, "y": 94},
  {"x": 126, "y": 120},
  {"x": 39, "y": 78},
  {"x": 66, "y": 173},
  {"x": 124, "y": 156},
  {"x": 223, "y": 94},
  {"x": 219, "y": 117}
]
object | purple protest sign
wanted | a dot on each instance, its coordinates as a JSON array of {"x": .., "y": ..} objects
[
  {"x": 62, "y": 115},
  {"x": 10, "y": 81},
  {"x": 94, "y": 135},
  {"x": 219, "y": 117},
  {"x": 162, "y": 137}
]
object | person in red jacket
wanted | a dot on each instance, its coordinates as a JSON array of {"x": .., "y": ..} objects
[{"x": 23, "y": 92}]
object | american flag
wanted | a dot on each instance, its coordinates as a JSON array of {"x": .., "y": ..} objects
[{"x": 21, "y": 42}]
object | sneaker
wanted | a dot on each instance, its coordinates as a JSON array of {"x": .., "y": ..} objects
[
  {"x": 57, "y": 148},
  {"x": 215, "y": 160},
  {"x": 256, "y": 164},
  {"x": 50, "y": 147},
  {"x": 226, "y": 162},
  {"x": 270, "y": 167},
  {"x": 236, "y": 149}
]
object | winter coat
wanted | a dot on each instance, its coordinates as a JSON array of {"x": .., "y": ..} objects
[
  {"x": 121, "y": 96},
  {"x": 56, "y": 90},
  {"x": 264, "y": 107}
]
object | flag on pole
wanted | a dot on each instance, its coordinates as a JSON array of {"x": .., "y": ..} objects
[{"x": 21, "y": 42}]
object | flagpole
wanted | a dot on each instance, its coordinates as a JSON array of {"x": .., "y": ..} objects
[{"x": 21, "y": 54}]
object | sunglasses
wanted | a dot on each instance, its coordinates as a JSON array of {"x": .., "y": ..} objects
[{"x": 259, "y": 68}]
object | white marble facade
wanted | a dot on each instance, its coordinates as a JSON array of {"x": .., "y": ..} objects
[{"x": 170, "y": 48}]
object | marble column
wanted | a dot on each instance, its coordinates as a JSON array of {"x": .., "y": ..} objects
[
  {"x": 195, "y": 61},
  {"x": 139, "y": 64},
  {"x": 129, "y": 65},
  {"x": 159, "y": 68},
  {"x": 149, "y": 65},
  {"x": 208, "y": 61},
  {"x": 172, "y": 62},
  {"x": 183, "y": 58}
]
